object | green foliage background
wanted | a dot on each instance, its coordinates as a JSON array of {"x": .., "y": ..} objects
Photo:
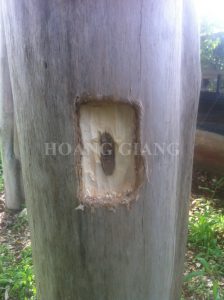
[{"x": 212, "y": 46}]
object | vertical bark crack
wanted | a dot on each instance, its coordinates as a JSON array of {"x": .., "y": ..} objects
[{"x": 140, "y": 46}]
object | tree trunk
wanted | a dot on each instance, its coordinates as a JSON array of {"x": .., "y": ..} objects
[
  {"x": 119, "y": 73},
  {"x": 209, "y": 152},
  {"x": 14, "y": 195}
]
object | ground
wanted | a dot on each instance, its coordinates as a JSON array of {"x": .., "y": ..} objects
[{"x": 204, "y": 267}]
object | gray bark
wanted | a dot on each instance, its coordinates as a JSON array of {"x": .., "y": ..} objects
[
  {"x": 14, "y": 196},
  {"x": 146, "y": 52}
]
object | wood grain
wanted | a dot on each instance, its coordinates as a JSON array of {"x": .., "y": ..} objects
[{"x": 143, "y": 51}]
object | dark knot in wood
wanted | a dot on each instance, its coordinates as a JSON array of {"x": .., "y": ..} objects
[{"x": 107, "y": 153}]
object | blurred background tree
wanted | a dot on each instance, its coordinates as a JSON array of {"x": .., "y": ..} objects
[{"x": 212, "y": 45}]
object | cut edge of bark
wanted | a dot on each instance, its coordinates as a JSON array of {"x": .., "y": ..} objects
[{"x": 111, "y": 200}]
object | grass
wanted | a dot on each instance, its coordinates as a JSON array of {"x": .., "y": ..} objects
[
  {"x": 16, "y": 272},
  {"x": 204, "y": 275},
  {"x": 204, "y": 268},
  {"x": 16, "y": 275}
]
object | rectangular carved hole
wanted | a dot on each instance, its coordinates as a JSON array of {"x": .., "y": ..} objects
[{"x": 109, "y": 167}]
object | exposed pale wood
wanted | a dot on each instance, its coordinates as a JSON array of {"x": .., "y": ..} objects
[
  {"x": 13, "y": 185},
  {"x": 121, "y": 122},
  {"x": 144, "y": 51}
]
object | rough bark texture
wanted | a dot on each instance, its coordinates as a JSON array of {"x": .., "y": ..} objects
[
  {"x": 142, "y": 51},
  {"x": 14, "y": 195}
]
